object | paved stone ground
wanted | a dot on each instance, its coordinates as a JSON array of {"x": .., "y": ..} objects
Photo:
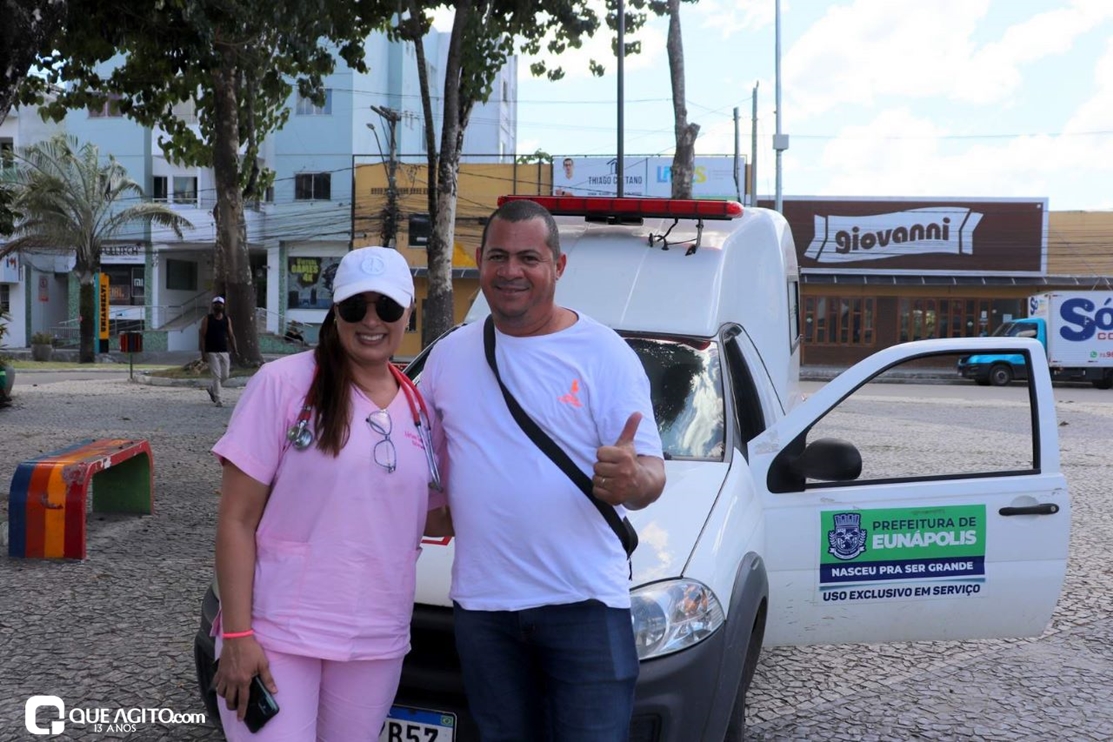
[{"x": 116, "y": 630}]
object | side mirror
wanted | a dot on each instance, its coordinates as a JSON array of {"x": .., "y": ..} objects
[{"x": 828, "y": 459}]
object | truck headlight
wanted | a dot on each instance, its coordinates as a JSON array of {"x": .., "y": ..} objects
[{"x": 674, "y": 615}]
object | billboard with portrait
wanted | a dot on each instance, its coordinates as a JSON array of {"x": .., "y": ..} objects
[{"x": 712, "y": 177}]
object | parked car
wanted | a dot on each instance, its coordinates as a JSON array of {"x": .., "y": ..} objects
[{"x": 770, "y": 530}]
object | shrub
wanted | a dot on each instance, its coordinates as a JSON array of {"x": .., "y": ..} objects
[
  {"x": 42, "y": 338},
  {"x": 4, "y": 317}
]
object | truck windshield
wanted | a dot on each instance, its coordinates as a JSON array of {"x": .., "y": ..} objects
[
  {"x": 1014, "y": 330},
  {"x": 686, "y": 387}
]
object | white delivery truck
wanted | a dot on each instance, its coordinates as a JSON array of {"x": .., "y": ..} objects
[
  {"x": 1076, "y": 330},
  {"x": 1079, "y": 334},
  {"x": 770, "y": 531}
]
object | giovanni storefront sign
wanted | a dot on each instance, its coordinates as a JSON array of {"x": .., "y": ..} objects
[{"x": 990, "y": 237}]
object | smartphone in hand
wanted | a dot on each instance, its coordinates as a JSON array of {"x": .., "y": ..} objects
[{"x": 261, "y": 706}]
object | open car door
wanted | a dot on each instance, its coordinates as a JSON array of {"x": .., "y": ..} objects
[{"x": 892, "y": 517}]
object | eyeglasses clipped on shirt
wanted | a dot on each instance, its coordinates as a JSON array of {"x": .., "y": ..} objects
[{"x": 384, "y": 452}]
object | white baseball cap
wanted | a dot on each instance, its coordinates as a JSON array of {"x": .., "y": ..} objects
[
  {"x": 218, "y": 300},
  {"x": 379, "y": 269}
]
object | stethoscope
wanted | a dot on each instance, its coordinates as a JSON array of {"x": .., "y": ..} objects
[{"x": 301, "y": 437}]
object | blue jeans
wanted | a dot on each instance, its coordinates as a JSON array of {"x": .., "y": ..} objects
[{"x": 558, "y": 673}]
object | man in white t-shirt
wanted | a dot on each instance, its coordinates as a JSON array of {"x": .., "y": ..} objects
[{"x": 540, "y": 582}]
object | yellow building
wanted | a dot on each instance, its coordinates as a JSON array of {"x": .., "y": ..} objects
[{"x": 479, "y": 187}]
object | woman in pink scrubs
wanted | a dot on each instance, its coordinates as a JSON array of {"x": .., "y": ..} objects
[{"x": 329, "y": 482}]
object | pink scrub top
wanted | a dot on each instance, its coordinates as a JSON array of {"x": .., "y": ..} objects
[{"x": 337, "y": 546}]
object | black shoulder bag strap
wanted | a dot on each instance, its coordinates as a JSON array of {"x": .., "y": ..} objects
[{"x": 621, "y": 526}]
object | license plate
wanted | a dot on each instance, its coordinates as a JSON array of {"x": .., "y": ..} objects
[{"x": 404, "y": 724}]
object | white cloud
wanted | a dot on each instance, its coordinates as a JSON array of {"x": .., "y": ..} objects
[
  {"x": 1087, "y": 141},
  {"x": 728, "y": 17},
  {"x": 869, "y": 49},
  {"x": 994, "y": 71},
  {"x": 575, "y": 61},
  {"x": 897, "y": 153},
  {"x": 873, "y": 48}
]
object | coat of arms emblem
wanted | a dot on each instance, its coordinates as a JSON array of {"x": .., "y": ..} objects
[{"x": 847, "y": 539}]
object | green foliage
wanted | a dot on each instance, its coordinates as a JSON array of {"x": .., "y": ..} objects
[
  {"x": 42, "y": 338},
  {"x": 7, "y": 214},
  {"x": 5, "y": 318},
  {"x": 538, "y": 155},
  {"x": 237, "y": 60},
  {"x": 175, "y": 49}
]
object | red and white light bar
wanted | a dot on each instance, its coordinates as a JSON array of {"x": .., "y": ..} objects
[{"x": 602, "y": 206}]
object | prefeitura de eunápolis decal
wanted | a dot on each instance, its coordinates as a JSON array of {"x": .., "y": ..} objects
[{"x": 902, "y": 553}]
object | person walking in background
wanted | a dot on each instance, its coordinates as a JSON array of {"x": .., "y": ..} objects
[
  {"x": 540, "y": 581},
  {"x": 217, "y": 339},
  {"x": 330, "y": 478}
]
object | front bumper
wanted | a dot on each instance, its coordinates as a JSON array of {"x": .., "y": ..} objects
[
  {"x": 972, "y": 370},
  {"x": 204, "y": 654},
  {"x": 672, "y": 700}
]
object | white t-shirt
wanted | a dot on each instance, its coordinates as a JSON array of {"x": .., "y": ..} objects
[{"x": 526, "y": 535}]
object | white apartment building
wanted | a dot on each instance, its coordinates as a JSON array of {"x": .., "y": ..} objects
[{"x": 162, "y": 284}]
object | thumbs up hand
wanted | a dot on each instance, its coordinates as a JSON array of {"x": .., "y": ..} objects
[{"x": 617, "y": 473}]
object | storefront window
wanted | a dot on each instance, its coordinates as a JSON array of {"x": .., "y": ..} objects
[
  {"x": 125, "y": 284},
  {"x": 181, "y": 275},
  {"x": 833, "y": 320},
  {"x": 925, "y": 318}
]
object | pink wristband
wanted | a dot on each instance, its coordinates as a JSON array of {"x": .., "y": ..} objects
[{"x": 238, "y": 634}]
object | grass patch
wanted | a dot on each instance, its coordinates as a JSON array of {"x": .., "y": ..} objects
[
  {"x": 196, "y": 370},
  {"x": 24, "y": 365}
]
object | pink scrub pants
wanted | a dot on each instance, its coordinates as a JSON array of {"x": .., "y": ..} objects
[{"x": 322, "y": 700}]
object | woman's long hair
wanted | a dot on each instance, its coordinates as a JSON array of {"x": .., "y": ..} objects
[{"x": 332, "y": 388}]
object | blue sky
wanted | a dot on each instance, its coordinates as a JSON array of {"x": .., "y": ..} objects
[{"x": 895, "y": 98}]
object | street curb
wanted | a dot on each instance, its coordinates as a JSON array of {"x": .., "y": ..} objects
[
  {"x": 825, "y": 375},
  {"x": 198, "y": 383}
]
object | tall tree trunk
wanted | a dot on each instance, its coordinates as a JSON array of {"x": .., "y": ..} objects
[
  {"x": 683, "y": 160},
  {"x": 426, "y": 110},
  {"x": 87, "y": 311},
  {"x": 231, "y": 241},
  {"x": 436, "y": 244},
  {"x": 439, "y": 315}
]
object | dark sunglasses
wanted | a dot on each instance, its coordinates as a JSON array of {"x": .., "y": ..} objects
[{"x": 354, "y": 309}]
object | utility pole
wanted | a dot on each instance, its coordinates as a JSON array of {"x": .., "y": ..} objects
[
  {"x": 737, "y": 184},
  {"x": 389, "y": 229},
  {"x": 753, "y": 152},
  {"x": 780, "y": 141},
  {"x": 620, "y": 164}
]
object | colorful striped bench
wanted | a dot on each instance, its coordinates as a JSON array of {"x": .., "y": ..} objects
[{"x": 46, "y": 505}]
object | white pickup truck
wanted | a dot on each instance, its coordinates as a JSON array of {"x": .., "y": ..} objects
[{"x": 771, "y": 530}]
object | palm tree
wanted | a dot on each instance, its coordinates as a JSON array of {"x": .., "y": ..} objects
[{"x": 68, "y": 200}]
